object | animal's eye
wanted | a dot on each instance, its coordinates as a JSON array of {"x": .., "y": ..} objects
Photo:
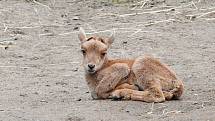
[
  {"x": 104, "y": 53},
  {"x": 83, "y": 51},
  {"x": 102, "y": 40}
]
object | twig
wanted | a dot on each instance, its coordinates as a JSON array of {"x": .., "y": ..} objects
[
  {"x": 204, "y": 14},
  {"x": 73, "y": 62},
  {"x": 202, "y": 105},
  {"x": 152, "y": 108},
  {"x": 53, "y": 64},
  {"x": 7, "y": 39},
  {"x": 157, "y": 11},
  {"x": 134, "y": 8},
  {"x": 104, "y": 15},
  {"x": 37, "y": 26},
  {"x": 53, "y": 3},
  {"x": 90, "y": 27},
  {"x": 36, "y": 11},
  {"x": 25, "y": 27},
  {"x": 14, "y": 67},
  {"x": 194, "y": 5},
  {"x": 160, "y": 7},
  {"x": 203, "y": 9},
  {"x": 135, "y": 32},
  {"x": 190, "y": 101},
  {"x": 156, "y": 22},
  {"x": 170, "y": 112},
  {"x": 5, "y": 27},
  {"x": 148, "y": 12},
  {"x": 73, "y": 32},
  {"x": 208, "y": 19},
  {"x": 46, "y": 34},
  {"x": 42, "y": 4},
  {"x": 144, "y": 3},
  {"x": 110, "y": 30}
]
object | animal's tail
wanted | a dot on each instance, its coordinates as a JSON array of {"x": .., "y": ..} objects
[{"x": 178, "y": 89}]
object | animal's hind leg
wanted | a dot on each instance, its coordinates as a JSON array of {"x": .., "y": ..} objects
[
  {"x": 153, "y": 94},
  {"x": 149, "y": 95},
  {"x": 152, "y": 89},
  {"x": 176, "y": 92},
  {"x": 168, "y": 95}
]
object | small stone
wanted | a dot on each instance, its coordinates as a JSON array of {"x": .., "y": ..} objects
[
  {"x": 61, "y": 83},
  {"x": 23, "y": 95},
  {"x": 172, "y": 9},
  {"x": 125, "y": 42},
  {"x": 78, "y": 99},
  {"x": 195, "y": 103},
  {"x": 44, "y": 101},
  {"x": 36, "y": 93},
  {"x": 75, "y": 28},
  {"x": 10, "y": 43},
  {"x": 46, "y": 30},
  {"x": 76, "y": 18},
  {"x": 190, "y": 76},
  {"x": 6, "y": 47},
  {"x": 63, "y": 15},
  {"x": 35, "y": 58},
  {"x": 20, "y": 56},
  {"x": 76, "y": 69}
]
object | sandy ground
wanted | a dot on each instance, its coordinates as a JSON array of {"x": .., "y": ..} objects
[{"x": 41, "y": 78}]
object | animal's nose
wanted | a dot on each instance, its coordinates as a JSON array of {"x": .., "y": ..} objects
[{"x": 91, "y": 66}]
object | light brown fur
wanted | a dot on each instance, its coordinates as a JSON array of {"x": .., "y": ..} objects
[{"x": 144, "y": 78}]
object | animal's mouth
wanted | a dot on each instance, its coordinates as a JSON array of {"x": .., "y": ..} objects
[{"x": 91, "y": 71}]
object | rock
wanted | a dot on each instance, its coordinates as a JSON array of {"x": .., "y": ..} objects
[
  {"x": 74, "y": 70},
  {"x": 76, "y": 18},
  {"x": 125, "y": 42},
  {"x": 44, "y": 101},
  {"x": 75, "y": 28},
  {"x": 23, "y": 95}
]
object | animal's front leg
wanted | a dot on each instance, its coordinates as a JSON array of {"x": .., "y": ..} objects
[
  {"x": 92, "y": 83},
  {"x": 112, "y": 76},
  {"x": 92, "y": 88},
  {"x": 126, "y": 86}
]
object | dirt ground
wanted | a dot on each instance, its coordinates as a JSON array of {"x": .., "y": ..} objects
[{"x": 41, "y": 78}]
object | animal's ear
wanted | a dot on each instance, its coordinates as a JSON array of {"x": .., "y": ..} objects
[
  {"x": 82, "y": 35},
  {"x": 110, "y": 39}
]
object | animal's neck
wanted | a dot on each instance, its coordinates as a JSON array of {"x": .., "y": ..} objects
[{"x": 105, "y": 64}]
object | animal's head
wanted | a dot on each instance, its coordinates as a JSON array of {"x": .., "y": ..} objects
[{"x": 94, "y": 50}]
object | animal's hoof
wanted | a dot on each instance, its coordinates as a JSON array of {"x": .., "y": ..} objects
[
  {"x": 94, "y": 96},
  {"x": 116, "y": 98}
]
